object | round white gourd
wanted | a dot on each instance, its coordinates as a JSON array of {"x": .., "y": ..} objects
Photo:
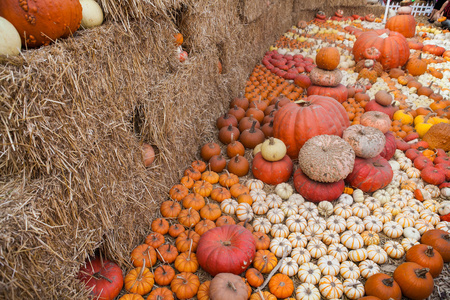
[
  {"x": 92, "y": 14},
  {"x": 273, "y": 149},
  {"x": 10, "y": 42}
]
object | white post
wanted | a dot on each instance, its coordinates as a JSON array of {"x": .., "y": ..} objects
[{"x": 386, "y": 11}]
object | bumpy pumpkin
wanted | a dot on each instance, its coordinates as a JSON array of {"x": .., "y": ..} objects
[
  {"x": 392, "y": 45},
  {"x": 339, "y": 92},
  {"x": 404, "y": 24},
  {"x": 226, "y": 249},
  {"x": 326, "y": 158},
  {"x": 317, "y": 191},
  {"x": 366, "y": 141},
  {"x": 41, "y": 22},
  {"x": 294, "y": 123},
  {"x": 325, "y": 77},
  {"x": 370, "y": 174},
  {"x": 272, "y": 172},
  {"x": 438, "y": 136}
]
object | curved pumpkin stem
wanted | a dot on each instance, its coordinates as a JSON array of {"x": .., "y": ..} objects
[
  {"x": 262, "y": 286},
  {"x": 421, "y": 273}
]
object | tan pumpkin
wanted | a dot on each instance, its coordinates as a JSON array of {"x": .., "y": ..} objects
[
  {"x": 225, "y": 286},
  {"x": 325, "y": 78},
  {"x": 326, "y": 158},
  {"x": 366, "y": 141}
]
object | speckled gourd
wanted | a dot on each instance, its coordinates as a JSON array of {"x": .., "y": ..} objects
[
  {"x": 325, "y": 78},
  {"x": 326, "y": 158}
]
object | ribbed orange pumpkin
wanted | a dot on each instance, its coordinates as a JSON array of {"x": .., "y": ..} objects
[
  {"x": 392, "y": 45},
  {"x": 294, "y": 123},
  {"x": 404, "y": 24},
  {"x": 40, "y": 22}
]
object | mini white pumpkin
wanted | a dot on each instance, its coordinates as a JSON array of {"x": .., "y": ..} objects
[
  {"x": 383, "y": 214},
  {"x": 229, "y": 206},
  {"x": 309, "y": 273},
  {"x": 307, "y": 291},
  {"x": 357, "y": 255},
  {"x": 404, "y": 220},
  {"x": 289, "y": 208},
  {"x": 443, "y": 225},
  {"x": 275, "y": 215},
  {"x": 394, "y": 165},
  {"x": 372, "y": 223},
  {"x": 313, "y": 232},
  {"x": 433, "y": 190},
  {"x": 260, "y": 207},
  {"x": 356, "y": 224},
  {"x": 338, "y": 251},
  {"x": 296, "y": 223},
  {"x": 358, "y": 196},
  {"x": 345, "y": 199},
  {"x": 423, "y": 226},
  {"x": 262, "y": 225},
  {"x": 328, "y": 265},
  {"x": 394, "y": 249},
  {"x": 336, "y": 223},
  {"x": 377, "y": 254},
  {"x": 297, "y": 239},
  {"x": 444, "y": 208},
  {"x": 368, "y": 268},
  {"x": 331, "y": 287},
  {"x": 353, "y": 289},
  {"x": 325, "y": 208},
  {"x": 360, "y": 210},
  {"x": 349, "y": 270},
  {"x": 445, "y": 192},
  {"x": 408, "y": 243},
  {"x": 289, "y": 267},
  {"x": 318, "y": 221},
  {"x": 330, "y": 237},
  {"x": 274, "y": 201},
  {"x": 392, "y": 229},
  {"x": 308, "y": 210},
  {"x": 279, "y": 246},
  {"x": 372, "y": 203},
  {"x": 254, "y": 184},
  {"x": 301, "y": 255},
  {"x": 279, "y": 230},
  {"x": 316, "y": 248},
  {"x": 382, "y": 196},
  {"x": 284, "y": 190},
  {"x": 411, "y": 233},
  {"x": 244, "y": 212},
  {"x": 352, "y": 240},
  {"x": 297, "y": 199},
  {"x": 343, "y": 210},
  {"x": 258, "y": 195}
]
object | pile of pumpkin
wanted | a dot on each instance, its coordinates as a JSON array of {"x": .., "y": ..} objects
[{"x": 319, "y": 233}]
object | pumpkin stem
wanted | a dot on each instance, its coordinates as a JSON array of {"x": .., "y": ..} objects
[
  {"x": 159, "y": 297},
  {"x": 421, "y": 273},
  {"x": 142, "y": 270},
  {"x": 388, "y": 282},
  {"x": 232, "y": 141},
  {"x": 230, "y": 127},
  {"x": 231, "y": 286},
  {"x": 156, "y": 249},
  {"x": 429, "y": 252},
  {"x": 446, "y": 237},
  {"x": 252, "y": 129},
  {"x": 98, "y": 275},
  {"x": 190, "y": 248},
  {"x": 425, "y": 120},
  {"x": 271, "y": 141},
  {"x": 303, "y": 102}
]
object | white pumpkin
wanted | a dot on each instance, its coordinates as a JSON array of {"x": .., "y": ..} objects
[
  {"x": 411, "y": 233},
  {"x": 358, "y": 196},
  {"x": 444, "y": 208},
  {"x": 284, "y": 190},
  {"x": 92, "y": 14},
  {"x": 326, "y": 208},
  {"x": 345, "y": 199},
  {"x": 10, "y": 42}
]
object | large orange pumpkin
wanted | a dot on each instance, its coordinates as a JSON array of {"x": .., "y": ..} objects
[
  {"x": 392, "y": 45},
  {"x": 40, "y": 22},
  {"x": 404, "y": 24},
  {"x": 295, "y": 123}
]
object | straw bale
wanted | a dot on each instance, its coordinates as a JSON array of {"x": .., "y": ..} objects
[{"x": 74, "y": 115}]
